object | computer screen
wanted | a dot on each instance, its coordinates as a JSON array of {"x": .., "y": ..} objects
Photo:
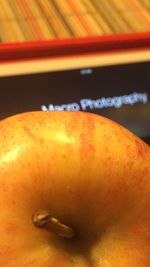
[{"x": 120, "y": 92}]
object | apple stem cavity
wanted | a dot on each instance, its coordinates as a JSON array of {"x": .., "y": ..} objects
[{"x": 43, "y": 219}]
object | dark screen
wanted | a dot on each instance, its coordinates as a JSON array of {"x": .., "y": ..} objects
[{"x": 119, "y": 92}]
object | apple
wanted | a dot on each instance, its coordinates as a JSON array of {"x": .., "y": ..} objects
[{"x": 74, "y": 192}]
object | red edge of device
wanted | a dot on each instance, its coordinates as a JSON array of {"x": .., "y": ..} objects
[{"x": 73, "y": 46}]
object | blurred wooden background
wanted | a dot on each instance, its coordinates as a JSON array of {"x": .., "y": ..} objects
[{"x": 31, "y": 20}]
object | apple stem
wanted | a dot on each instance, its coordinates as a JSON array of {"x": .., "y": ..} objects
[{"x": 43, "y": 218}]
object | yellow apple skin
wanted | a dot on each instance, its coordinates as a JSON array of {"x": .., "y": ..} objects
[{"x": 91, "y": 174}]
